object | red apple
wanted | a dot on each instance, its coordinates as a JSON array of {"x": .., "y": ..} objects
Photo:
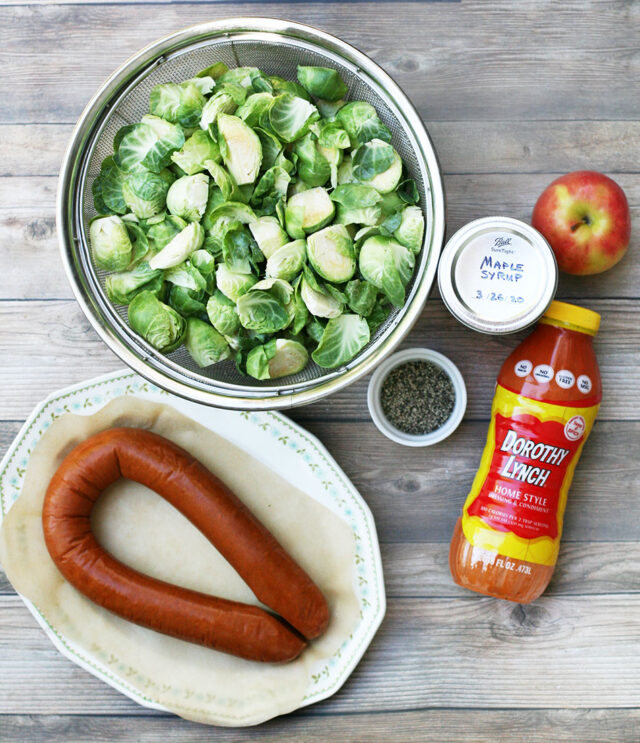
[{"x": 585, "y": 218}]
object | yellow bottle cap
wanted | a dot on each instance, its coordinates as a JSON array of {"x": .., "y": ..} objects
[{"x": 570, "y": 314}]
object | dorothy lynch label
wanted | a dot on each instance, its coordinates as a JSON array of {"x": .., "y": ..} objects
[{"x": 521, "y": 446}]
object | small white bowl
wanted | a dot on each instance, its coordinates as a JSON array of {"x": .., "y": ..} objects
[{"x": 375, "y": 408}]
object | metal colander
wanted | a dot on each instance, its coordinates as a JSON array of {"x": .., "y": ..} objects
[{"x": 276, "y": 47}]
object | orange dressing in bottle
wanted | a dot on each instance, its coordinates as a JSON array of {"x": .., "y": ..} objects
[{"x": 546, "y": 400}]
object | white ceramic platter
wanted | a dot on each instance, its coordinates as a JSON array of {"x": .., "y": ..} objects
[{"x": 270, "y": 437}]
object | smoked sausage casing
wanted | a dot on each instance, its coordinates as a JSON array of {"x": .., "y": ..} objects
[{"x": 275, "y": 578}]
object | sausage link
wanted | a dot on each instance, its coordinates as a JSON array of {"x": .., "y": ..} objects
[{"x": 275, "y": 578}]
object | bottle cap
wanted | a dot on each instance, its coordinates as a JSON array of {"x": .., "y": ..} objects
[{"x": 571, "y": 314}]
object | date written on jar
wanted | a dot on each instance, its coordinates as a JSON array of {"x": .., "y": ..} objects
[{"x": 498, "y": 297}]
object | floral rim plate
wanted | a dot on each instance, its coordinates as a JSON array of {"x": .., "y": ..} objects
[{"x": 268, "y": 436}]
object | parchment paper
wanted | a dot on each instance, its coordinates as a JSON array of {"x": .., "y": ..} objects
[{"x": 143, "y": 530}]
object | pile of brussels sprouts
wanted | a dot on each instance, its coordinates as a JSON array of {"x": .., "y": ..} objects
[{"x": 258, "y": 219}]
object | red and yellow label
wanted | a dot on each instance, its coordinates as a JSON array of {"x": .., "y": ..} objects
[{"x": 517, "y": 500}]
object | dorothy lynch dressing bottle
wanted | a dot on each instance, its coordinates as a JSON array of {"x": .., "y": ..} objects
[{"x": 548, "y": 393}]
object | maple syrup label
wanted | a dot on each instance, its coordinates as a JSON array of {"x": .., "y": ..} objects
[{"x": 517, "y": 501}]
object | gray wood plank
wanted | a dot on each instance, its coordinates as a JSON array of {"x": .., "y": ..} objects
[
  {"x": 419, "y": 726},
  {"x": 65, "y": 348},
  {"x": 456, "y": 61},
  {"x": 421, "y": 569},
  {"x": 27, "y": 230},
  {"x": 471, "y": 652},
  {"x": 417, "y": 495},
  {"x": 463, "y": 146}
]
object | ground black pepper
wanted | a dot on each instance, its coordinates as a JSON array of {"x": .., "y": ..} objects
[{"x": 417, "y": 397}]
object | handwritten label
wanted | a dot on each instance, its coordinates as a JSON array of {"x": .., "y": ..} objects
[{"x": 497, "y": 276}]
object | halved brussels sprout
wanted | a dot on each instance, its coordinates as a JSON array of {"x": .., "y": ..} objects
[
  {"x": 233, "y": 285},
  {"x": 345, "y": 172},
  {"x": 254, "y": 107},
  {"x": 354, "y": 195},
  {"x": 222, "y": 314},
  {"x": 269, "y": 235},
  {"x": 179, "y": 248},
  {"x": 408, "y": 191},
  {"x": 243, "y": 76},
  {"x": 314, "y": 329},
  {"x": 280, "y": 85},
  {"x": 238, "y": 249},
  {"x": 308, "y": 211},
  {"x": 331, "y": 135},
  {"x": 123, "y": 287},
  {"x": 110, "y": 243},
  {"x": 187, "y": 276},
  {"x": 343, "y": 338},
  {"x": 221, "y": 102},
  {"x": 313, "y": 166},
  {"x": 180, "y": 103},
  {"x": 187, "y": 302},
  {"x": 329, "y": 109},
  {"x": 319, "y": 303},
  {"x": 204, "y": 343},
  {"x": 367, "y": 215},
  {"x": 271, "y": 190},
  {"x": 215, "y": 200},
  {"x": 298, "y": 187},
  {"x": 214, "y": 71},
  {"x": 159, "y": 324},
  {"x": 377, "y": 164},
  {"x": 331, "y": 253},
  {"x": 187, "y": 197},
  {"x": 240, "y": 147},
  {"x": 410, "y": 232},
  {"x": 137, "y": 236},
  {"x": 195, "y": 152},
  {"x": 357, "y": 204},
  {"x": 287, "y": 261},
  {"x": 149, "y": 144},
  {"x": 271, "y": 147},
  {"x": 162, "y": 232},
  {"x": 299, "y": 309},
  {"x": 361, "y": 122},
  {"x": 322, "y": 82},
  {"x": 280, "y": 357},
  {"x": 391, "y": 203},
  {"x": 205, "y": 264},
  {"x": 204, "y": 83},
  {"x": 388, "y": 265},
  {"x": 290, "y": 116},
  {"x": 231, "y": 210},
  {"x": 361, "y": 297},
  {"x": 224, "y": 181},
  {"x": 378, "y": 314},
  {"x": 261, "y": 311},
  {"x": 278, "y": 288},
  {"x": 145, "y": 193},
  {"x": 108, "y": 185}
]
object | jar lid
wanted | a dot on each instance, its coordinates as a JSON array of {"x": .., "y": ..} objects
[
  {"x": 572, "y": 314},
  {"x": 497, "y": 275}
]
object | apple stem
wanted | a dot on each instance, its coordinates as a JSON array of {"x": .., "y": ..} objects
[{"x": 584, "y": 220}]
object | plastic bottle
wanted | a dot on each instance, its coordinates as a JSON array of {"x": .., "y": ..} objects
[{"x": 546, "y": 400}]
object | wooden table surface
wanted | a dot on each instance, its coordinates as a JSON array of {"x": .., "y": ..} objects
[{"x": 513, "y": 94}]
